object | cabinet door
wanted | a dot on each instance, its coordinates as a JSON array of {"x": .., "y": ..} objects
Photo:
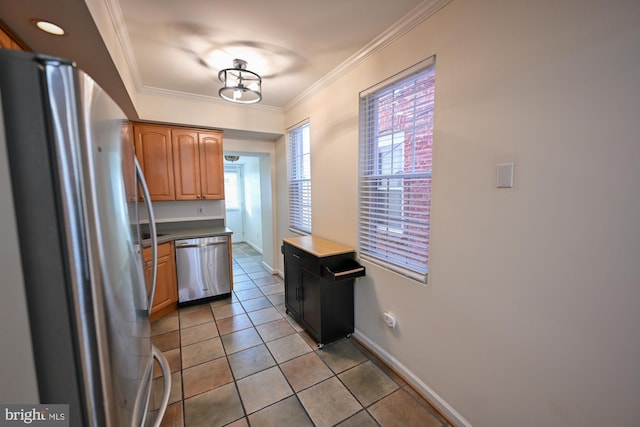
[
  {"x": 153, "y": 149},
  {"x": 5, "y": 40},
  {"x": 292, "y": 284},
  {"x": 166, "y": 294},
  {"x": 211, "y": 165},
  {"x": 186, "y": 163},
  {"x": 311, "y": 311}
]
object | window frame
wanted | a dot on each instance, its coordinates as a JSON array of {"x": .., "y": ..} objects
[
  {"x": 299, "y": 177},
  {"x": 395, "y": 234}
]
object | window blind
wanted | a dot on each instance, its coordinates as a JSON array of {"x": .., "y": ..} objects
[
  {"x": 395, "y": 161},
  {"x": 299, "y": 178}
]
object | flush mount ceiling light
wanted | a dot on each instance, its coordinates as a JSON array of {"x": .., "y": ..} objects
[
  {"x": 48, "y": 27},
  {"x": 231, "y": 158},
  {"x": 240, "y": 85}
]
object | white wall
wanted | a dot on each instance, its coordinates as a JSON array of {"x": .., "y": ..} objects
[
  {"x": 268, "y": 212},
  {"x": 531, "y": 313},
  {"x": 209, "y": 112},
  {"x": 282, "y": 197},
  {"x": 252, "y": 203}
]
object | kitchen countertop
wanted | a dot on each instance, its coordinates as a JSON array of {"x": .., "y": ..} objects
[
  {"x": 176, "y": 232},
  {"x": 318, "y": 246}
]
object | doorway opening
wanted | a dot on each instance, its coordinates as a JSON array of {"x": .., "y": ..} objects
[{"x": 248, "y": 207}]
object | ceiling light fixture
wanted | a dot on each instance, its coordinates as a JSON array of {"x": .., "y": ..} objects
[
  {"x": 49, "y": 27},
  {"x": 240, "y": 85},
  {"x": 231, "y": 158}
]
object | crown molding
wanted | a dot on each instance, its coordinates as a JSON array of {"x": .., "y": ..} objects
[
  {"x": 120, "y": 29},
  {"x": 397, "y": 30}
]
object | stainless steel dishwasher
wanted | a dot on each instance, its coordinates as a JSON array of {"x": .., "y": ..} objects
[{"x": 203, "y": 269}]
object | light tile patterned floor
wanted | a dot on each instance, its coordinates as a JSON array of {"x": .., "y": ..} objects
[{"x": 243, "y": 362}]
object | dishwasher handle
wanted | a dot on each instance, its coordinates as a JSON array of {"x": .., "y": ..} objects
[
  {"x": 199, "y": 245},
  {"x": 186, "y": 245}
]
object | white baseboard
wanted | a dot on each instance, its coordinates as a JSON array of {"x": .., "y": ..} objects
[
  {"x": 259, "y": 250},
  {"x": 267, "y": 267},
  {"x": 412, "y": 379},
  {"x": 253, "y": 245}
]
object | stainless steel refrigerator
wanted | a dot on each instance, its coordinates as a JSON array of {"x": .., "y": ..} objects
[{"x": 75, "y": 310}]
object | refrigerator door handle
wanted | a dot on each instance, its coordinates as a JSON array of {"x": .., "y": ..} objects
[
  {"x": 166, "y": 378},
  {"x": 152, "y": 231}
]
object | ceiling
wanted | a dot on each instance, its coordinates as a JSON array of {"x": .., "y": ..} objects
[{"x": 176, "y": 48}]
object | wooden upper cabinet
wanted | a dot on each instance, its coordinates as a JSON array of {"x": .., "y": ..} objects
[
  {"x": 7, "y": 42},
  {"x": 211, "y": 165},
  {"x": 186, "y": 164},
  {"x": 155, "y": 155},
  {"x": 197, "y": 164}
]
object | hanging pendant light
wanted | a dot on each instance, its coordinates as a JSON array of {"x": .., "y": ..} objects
[{"x": 240, "y": 85}]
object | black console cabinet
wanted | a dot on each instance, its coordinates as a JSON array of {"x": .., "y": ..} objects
[{"x": 318, "y": 286}]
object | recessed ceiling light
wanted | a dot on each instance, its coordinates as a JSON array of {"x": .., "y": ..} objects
[{"x": 49, "y": 27}]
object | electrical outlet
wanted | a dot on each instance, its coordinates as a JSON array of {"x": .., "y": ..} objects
[{"x": 389, "y": 320}]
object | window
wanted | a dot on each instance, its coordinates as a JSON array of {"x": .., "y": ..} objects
[
  {"x": 396, "y": 138},
  {"x": 299, "y": 178}
]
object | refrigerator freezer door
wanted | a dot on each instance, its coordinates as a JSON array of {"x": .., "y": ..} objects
[
  {"x": 111, "y": 304},
  {"x": 49, "y": 234},
  {"x": 71, "y": 167}
]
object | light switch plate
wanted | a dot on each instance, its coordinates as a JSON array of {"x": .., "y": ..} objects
[{"x": 504, "y": 175}]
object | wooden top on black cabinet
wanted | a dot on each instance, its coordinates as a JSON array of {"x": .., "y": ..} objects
[{"x": 317, "y": 246}]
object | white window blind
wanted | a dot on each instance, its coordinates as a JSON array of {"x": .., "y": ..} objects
[
  {"x": 299, "y": 178},
  {"x": 396, "y": 138}
]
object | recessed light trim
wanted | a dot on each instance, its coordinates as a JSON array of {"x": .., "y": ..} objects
[{"x": 49, "y": 27}]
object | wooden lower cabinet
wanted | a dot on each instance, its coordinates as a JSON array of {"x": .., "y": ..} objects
[{"x": 166, "y": 296}]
